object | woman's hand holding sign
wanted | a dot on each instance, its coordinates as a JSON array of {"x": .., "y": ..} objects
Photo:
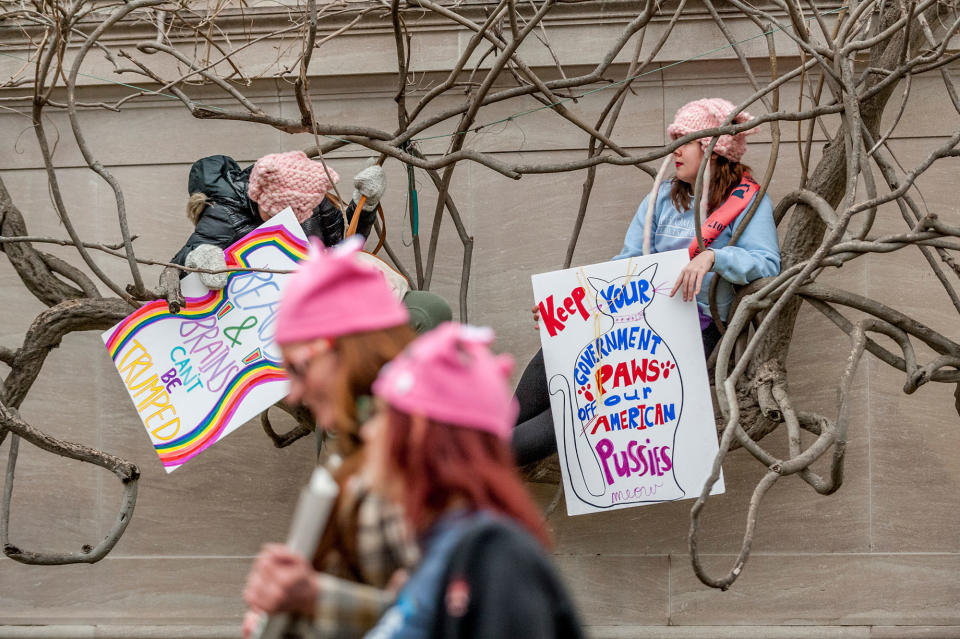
[{"x": 691, "y": 276}]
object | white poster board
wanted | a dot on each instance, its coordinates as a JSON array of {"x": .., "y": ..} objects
[
  {"x": 196, "y": 376},
  {"x": 628, "y": 382}
]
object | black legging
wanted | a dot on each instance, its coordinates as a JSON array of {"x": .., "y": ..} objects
[{"x": 534, "y": 437}]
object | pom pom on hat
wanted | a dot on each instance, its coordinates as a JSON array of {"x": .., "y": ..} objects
[
  {"x": 333, "y": 293},
  {"x": 709, "y": 113},
  {"x": 450, "y": 375},
  {"x": 289, "y": 179}
]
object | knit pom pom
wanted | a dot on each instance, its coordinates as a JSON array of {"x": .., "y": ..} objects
[{"x": 269, "y": 165}]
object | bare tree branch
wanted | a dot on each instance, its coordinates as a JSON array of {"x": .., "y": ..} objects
[{"x": 871, "y": 50}]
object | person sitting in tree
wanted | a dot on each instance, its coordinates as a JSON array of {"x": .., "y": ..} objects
[
  {"x": 665, "y": 222},
  {"x": 227, "y": 202}
]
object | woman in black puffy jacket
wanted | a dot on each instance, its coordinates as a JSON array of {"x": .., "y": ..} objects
[{"x": 222, "y": 211}]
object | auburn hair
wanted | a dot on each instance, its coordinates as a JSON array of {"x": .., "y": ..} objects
[
  {"x": 726, "y": 175},
  {"x": 360, "y": 356},
  {"x": 443, "y": 465}
]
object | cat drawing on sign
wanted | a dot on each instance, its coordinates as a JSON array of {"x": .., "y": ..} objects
[{"x": 621, "y": 420}]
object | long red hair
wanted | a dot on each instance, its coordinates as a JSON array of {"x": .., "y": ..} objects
[
  {"x": 443, "y": 465},
  {"x": 726, "y": 175}
]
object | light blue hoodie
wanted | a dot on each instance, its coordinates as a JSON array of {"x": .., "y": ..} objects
[{"x": 756, "y": 254}]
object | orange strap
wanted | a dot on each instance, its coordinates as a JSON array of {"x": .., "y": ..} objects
[
  {"x": 356, "y": 222},
  {"x": 726, "y": 213},
  {"x": 383, "y": 230},
  {"x": 356, "y": 216}
]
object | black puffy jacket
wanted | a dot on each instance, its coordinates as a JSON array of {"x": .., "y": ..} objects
[{"x": 230, "y": 213}]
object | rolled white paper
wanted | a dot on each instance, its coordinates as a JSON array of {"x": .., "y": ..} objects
[{"x": 309, "y": 520}]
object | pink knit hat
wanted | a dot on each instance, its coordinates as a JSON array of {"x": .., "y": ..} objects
[
  {"x": 289, "y": 179},
  {"x": 333, "y": 293},
  {"x": 450, "y": 375},
  {"x": 709, "y": 113}
]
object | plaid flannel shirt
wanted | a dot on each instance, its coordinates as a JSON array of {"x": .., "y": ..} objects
[
  {"x": 384, "y": 541},
  {"x": 346, "y": 609}
]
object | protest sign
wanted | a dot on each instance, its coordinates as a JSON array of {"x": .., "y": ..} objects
[
  {"x": 628, "y": 382},
  {"x": 196, "y": 376}
]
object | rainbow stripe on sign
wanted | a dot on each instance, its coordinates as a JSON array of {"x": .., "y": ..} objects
[
  {"x": 195, "y": 308},
  {"x": 252, "y": 357},
  {"x": 208, "y": 431},
  {"x": 277, "y": 236}
]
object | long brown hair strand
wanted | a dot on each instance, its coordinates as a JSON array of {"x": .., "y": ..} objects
[{"x": 726, "y": 175}]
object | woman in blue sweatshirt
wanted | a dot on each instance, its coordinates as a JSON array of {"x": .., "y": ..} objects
[{"x": 665, "y": 222}]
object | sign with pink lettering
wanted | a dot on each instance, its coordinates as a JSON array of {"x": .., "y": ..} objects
[
  {"x": 628, "y": 383},
  {"x": 197, "y": 375}
]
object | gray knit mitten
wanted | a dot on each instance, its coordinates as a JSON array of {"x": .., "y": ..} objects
[
  {"x": 371, "y": 182},
  {"x": 210, "y": 257}
]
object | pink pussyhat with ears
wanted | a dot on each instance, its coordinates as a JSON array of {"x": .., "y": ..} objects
[
  {"x": 289, "y": 179},
  {"x": 450, "y": 375},
  {"x": 710, "y": 113},
  {"x": 333, "y": 293},
  {"x": 698, "y": 115}
]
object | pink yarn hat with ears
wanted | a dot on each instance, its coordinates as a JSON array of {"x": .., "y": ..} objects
[
  {"x": 709, "y": 113},
  {"x": 289, "y": 179},
  {"x": 333, "y": 293},
  {"x": 450, "y": 375}
]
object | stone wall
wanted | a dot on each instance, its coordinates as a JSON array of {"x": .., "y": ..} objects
[{"x": 879, "y": 559}]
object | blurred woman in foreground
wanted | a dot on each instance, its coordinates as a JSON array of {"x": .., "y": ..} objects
[
  {"x": 338, "y": 324},
  {"x": 438, "y": 445}
]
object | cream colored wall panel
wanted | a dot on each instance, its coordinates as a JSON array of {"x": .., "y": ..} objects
[
  {"x": 639, "y": 124},
  {"x": 521, "y": 229},
  {"x": 15, "y": 317},
  {"x": 929, "y": 110},
  {"x": 55, "y": 501},
  {"x": 179, "y": 591},
  {"x": 915, "y": 471},
  {"x": 905, "y": 281},
  {"x": 914, "y": 432},
  {"x": 632, "y": 590},
  {"x": 376, "y": 111},
  {"x": 793, "y": 518},
  {"x": 81, "y": 194},
  {"x": 821, "y": 589},
  {"x": 161, "y": 133}
]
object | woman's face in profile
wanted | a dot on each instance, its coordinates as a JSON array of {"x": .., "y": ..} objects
[
  {"x": 311, "y": 369},
  {"x": 687, "y": 160}
]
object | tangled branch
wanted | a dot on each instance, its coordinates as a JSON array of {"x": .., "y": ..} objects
[{"x": 849, "y": 62}]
